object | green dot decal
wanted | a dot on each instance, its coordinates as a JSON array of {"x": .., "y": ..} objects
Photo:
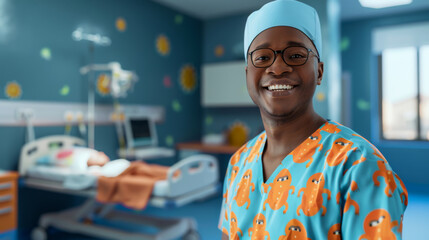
[
  {"x": 363, "y": 105},
  {"x": 345, "y": 43},
  {"x": 64, "y": 91},
  {"x": 45, "y": 53},
  {"x": 178, "y": 19},
  {"x": 176, "y": 106},
  {"x": 169, "y": 140},
  {"x": 209, "y": 120}
]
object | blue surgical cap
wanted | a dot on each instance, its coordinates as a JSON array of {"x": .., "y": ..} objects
[{"x": 288, "y": 13}]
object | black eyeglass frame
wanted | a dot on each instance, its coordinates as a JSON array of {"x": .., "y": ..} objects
[{"x": 282, "y": 54}]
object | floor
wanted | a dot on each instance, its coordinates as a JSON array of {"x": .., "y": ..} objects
[{"x": 206, "y": 213}]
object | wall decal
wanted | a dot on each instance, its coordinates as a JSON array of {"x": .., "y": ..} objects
[
  {"x": 163, "y": 45},
  {"x": 188, "y": 78},
  {"x": 237, "y": 134},
  {"x": 169, "y": 141},
  {"x": 209, "y": 120},
  {"x": 167, "y": 81},
  {"x": 178, "y": 19},
  {"x": 45, "y": 53},
  {"x": 345, "y": 43},
  {"x": 65, "y": 90},
  {"x": 219, "y": 51},
  {"x": 177, "y": 107},
  {"x": 363, "y": 105},
  {"x": 13, "y": 90},
  {"x": 121, "y": 24},
  {"x": 103, "y": 84},
  {"x": 320, "y": 96}
]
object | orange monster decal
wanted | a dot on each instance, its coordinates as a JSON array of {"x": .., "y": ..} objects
[
  {"x": 335, "y": 232},
  {"x": 295, "y": 231},
  {"x": 338, "y": 152},
  {"x": 312, "y": 199},
  {"x": 404, "y": 200},
  {"x": 388, "y": 178},
  {"x": 306, "y": 150},
  {"x": 234, "y": 229},
  {"x": 377, "y": 225},
  {"x": 330, "y": 128},
  {"x": 258, "y": 229},
  {"x": 277, "y": 196},
  {"x": 254, "y": 152},
  {"x": 243, "y": 190}
]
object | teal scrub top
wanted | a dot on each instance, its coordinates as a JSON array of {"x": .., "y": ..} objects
[{"x": 334, "y": 185}]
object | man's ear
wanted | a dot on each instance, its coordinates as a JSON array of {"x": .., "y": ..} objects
[{"x": 320, "y": 69}]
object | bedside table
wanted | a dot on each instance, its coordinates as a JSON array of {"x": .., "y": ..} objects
[{"x": 8, "y": 204}]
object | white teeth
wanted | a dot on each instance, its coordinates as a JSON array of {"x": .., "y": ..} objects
[{"x": 280, "y": 87}]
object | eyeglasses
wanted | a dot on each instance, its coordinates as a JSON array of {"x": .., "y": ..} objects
[{"x": 292, "y": 56}]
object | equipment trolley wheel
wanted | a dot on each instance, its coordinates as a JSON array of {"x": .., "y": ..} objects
[
  {"x": 39, "y": 233},
  {"x": 192, "y": 235}
]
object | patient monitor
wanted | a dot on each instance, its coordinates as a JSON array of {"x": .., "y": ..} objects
[{"x": 142, "y": 140}]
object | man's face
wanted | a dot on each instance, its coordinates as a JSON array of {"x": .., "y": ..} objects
[{"x": 303, "y": 79}]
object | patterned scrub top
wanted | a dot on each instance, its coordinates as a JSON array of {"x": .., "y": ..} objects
[{"x": 334, "y": 185}]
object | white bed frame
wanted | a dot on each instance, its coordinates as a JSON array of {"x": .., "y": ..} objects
[{"x": 198, "y": 179}]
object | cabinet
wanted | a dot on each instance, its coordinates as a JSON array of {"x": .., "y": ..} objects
[{"x": 8, "y": 202}]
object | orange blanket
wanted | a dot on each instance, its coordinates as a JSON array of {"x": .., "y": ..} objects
[{"x": 133, "y": 187}]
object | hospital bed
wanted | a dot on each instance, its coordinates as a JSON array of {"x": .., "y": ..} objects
[{"x": 198, "y": 179}]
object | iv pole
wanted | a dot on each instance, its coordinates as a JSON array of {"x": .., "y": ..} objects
[{"x": 79, "y": 35}]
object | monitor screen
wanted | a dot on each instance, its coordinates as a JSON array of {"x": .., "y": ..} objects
[{"x": 141, "y": 132}]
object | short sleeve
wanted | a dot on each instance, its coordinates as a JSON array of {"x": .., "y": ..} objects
[
  {"x": 224, "y": 213},
  {"x": 373, "y": 199}
]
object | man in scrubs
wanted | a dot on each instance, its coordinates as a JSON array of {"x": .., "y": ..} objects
[{"x": 304, "y": 177}]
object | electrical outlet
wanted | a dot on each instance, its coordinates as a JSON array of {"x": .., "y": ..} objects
[{"x": 23, "y": 114}]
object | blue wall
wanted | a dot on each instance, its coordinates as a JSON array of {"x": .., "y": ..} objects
[
  {"x": 409, "y": 159},
  {"x": 29, "y": 26},
  {"x": 33, "y": 26}
]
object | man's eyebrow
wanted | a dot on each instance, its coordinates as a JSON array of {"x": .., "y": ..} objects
[{"x": 289, "y": 43}]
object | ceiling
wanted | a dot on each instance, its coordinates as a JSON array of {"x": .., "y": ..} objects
[{"x": 208, "y": 9}]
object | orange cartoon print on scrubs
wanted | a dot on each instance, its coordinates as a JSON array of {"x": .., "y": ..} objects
[
  {"x": 243, "y": 191},
  {"x": 234, "y": 173},
  {"x": 312, "y": 199},
  {"x": 377, "y": 225},
  {"x": 330, "y": 128},
  {"x": 335, "y": 232},
  {"x": 295, "y": 230},
  {"x": 350, "y": 201},
  {"x": 258, "y": 232},
  {"x": 338, "y": 152},
  {"x": 306, "y": 150},
  {"x": 404, "y": 195},
  {"x": 388, "y": 178},
  {"x": 277, "y": 196},
  {"x": 236, "y": 157},
  {"x": 254, "y": 152},
  {"x": 234, "y": 229}
]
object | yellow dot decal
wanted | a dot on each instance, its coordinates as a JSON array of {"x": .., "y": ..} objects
[
  {"x": 219, "y": 51},
  {"x": 121, "y": 24},
  {"x": 188, "y": 78},
  {"x": 103, "y": 82},
  {"x": 163, "y": 45},
  {"x": 13, "y": 90},
  {"x": 320, "y": 96},
  {"x": 238, "y": 134}
]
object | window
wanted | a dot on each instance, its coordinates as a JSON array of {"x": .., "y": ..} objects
[{"x": 404, "y": 93}]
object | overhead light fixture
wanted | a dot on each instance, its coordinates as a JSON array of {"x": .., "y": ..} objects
[{"x": 383, "y": 3}]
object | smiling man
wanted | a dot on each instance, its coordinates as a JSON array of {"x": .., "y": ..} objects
[{"x": 304, "y": 177}]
